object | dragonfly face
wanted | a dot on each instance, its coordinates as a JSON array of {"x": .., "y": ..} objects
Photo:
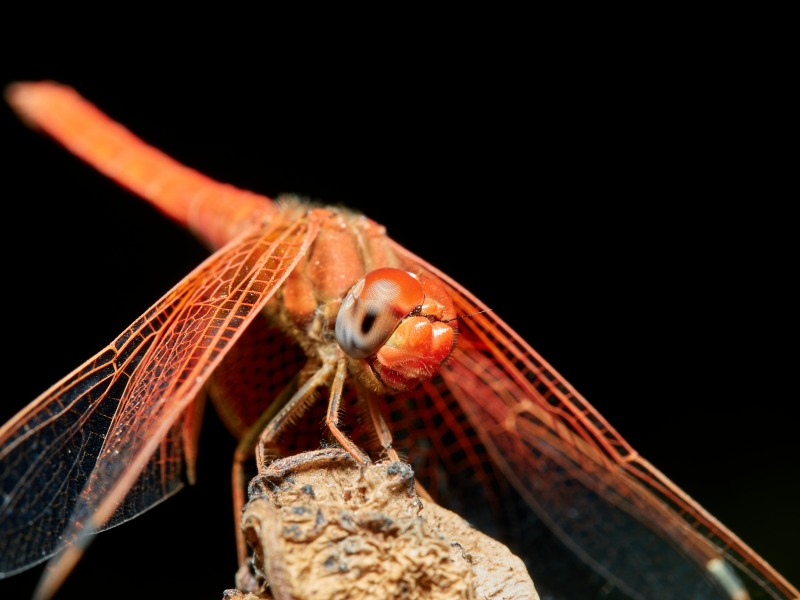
[{"x": 605, "y": 300}]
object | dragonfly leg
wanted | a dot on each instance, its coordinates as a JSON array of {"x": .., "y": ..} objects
[
  {"x": 261, "y": 438},
  {"x": 288, "y": 407},
  {"x": 332, "y": 417},
  {"x": 385, "y": 438},
  {"x": 289, "y": 412},
  {"x": 244, "y": 453},
  {"x": 380, "y": 427}
]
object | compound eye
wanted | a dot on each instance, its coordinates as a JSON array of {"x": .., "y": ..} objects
[{"x": 373, "y": 309}]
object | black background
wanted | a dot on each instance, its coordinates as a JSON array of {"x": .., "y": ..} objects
[{"x": 615, "y": 207}]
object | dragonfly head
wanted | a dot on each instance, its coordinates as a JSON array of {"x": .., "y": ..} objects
[{"x": 398, "y": 328}]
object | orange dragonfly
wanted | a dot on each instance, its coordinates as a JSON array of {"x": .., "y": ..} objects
[{"x": 581, "y": 449}]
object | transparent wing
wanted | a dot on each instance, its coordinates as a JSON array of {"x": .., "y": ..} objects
[
  {"x": 608, "y": 505},
  {"x": 103, "y": 444}
]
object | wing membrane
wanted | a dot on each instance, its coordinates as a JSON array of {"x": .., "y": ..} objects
[
  {"x": 113, "y": 425},
  {"x": 613, "y": 509}
]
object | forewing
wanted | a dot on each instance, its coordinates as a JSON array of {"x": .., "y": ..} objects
[
  {"x": 613, "y": 509},
  {"x": 112, "y": 428}
]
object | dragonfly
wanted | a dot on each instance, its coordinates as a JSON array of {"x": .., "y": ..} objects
[{"x": 524, "y": 419}]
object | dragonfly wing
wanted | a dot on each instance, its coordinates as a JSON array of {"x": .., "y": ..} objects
[
  {"x": 113, "y": 426},
  {"x": 591, "y": 503},
  {"x": 613, "y": 509}
]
